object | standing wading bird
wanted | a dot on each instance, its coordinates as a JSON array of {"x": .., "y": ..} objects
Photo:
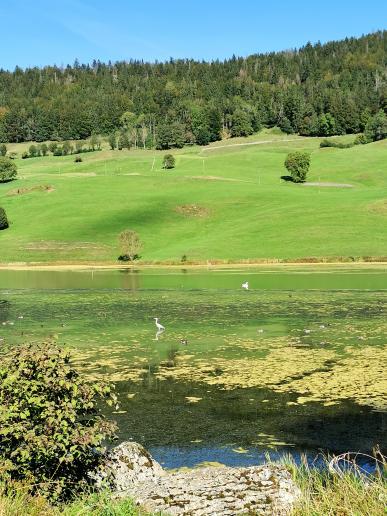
[
  {"x": 159, "y": 326},
  {"x": 245, "y": 285}
]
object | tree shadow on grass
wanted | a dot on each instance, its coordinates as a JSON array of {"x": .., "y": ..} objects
[{"x": 287, "y": 178}]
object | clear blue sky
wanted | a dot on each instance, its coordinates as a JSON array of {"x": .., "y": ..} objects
[{"x": 39, "y": 32}]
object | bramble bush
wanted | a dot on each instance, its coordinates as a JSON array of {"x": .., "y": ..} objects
[{"x": 51, "y": 428}]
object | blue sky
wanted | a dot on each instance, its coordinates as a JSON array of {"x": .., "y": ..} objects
[{"x": 39, "y": 32}]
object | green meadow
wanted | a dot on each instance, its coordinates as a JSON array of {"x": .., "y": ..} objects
[{"x": 223, "y": 202}]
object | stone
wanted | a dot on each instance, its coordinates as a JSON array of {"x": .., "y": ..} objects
[
  {"x": 125, "y": 466},
  {"x": 207, "y": 491}
]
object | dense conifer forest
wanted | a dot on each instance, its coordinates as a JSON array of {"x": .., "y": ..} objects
[{"x": 321, "y": 89}]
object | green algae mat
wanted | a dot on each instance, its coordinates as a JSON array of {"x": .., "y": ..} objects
[{"x": 295, "y": 364}]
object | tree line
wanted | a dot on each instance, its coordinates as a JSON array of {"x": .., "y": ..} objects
[{"x": 317, "y": 90}]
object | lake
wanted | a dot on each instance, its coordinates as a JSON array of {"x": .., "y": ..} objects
[{"x": 296, "y": 364}]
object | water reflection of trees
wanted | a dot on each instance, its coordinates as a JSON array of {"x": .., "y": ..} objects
[
  {"x": 130, "y": 279},
  {"x": 5, "y": 309}
]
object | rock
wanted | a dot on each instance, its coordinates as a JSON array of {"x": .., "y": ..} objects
[
  {"x": 125, "y": 466},
  {"x": 207, "y": 491}
]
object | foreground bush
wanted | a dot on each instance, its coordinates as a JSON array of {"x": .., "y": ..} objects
[
  {"x": 297, "y": 163},
  {"x": 51, "y": 429},
  {"x": 8, "y": 169}
]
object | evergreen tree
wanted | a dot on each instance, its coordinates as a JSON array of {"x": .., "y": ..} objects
[{"x": 3, "y": 219}]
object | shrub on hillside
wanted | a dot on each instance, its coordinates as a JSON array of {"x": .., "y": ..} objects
[
  {"x": 78, "y": 147},
  {"x": 8, "y": 169},
  {"x": 130, "y": 245},
  {"x": 44, "y": 149},
  {"x": 169, "y": 161},
  {"x": 361, "y": 139},
  {"x": 67, "y": 148},
  {"x": 337, "y": 145},
  {"x": 78, "y": 159},
  {"x": 3, "y": 219},
  {"x": 297, "y": 163},
  {"x": 33, "y": 151},
  {"x": 51, "y": 429},
  {"x": 52, "y": 147},
  {"x": 3, "y": 149}
]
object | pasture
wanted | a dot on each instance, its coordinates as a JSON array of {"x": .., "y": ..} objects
[{"x": 225, "y": 202}]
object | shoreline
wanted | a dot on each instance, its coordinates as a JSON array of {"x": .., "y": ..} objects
[{"x": 79, "y": 266}]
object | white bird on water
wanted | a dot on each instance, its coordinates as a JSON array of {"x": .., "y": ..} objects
[
  {"x": 245, "y": 285},
  {"x": 159, "y": 326}
]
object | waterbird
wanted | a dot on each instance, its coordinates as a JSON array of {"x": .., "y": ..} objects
[
  {"x": 307, "y": 331},
  {"x": 260, "y": 330},
  {"x": 184, "y": 341},
  {"x": 245, "y": 285},
  {"x": 159, "y": 326}
]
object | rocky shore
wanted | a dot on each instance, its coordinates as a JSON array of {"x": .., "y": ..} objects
[{"x": 214, "y": 491}]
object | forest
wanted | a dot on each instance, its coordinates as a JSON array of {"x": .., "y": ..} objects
[{"x": 317, "y": 90}]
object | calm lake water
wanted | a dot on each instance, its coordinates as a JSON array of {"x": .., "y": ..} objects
[{"x": 297, "y": 364}]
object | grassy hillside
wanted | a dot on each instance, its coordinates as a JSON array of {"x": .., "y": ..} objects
[{"x": 223, "y": 202}]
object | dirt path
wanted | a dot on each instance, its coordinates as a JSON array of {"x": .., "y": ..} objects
[
  {"x": 248, "y": 143},
  {"x": 333, "y": 185}
]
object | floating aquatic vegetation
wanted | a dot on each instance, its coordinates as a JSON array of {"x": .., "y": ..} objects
[{"x": 230, "y": 381}]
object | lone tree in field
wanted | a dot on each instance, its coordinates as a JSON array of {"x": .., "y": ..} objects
[
  {"x": 3, "y": 149},
  {"x": 52, "y": 429},
  {"x": 8, "y": 169},
  {"x": 169, "y": 161},
  {"x": 130, "y": 245},
  {"x": 3, "y": 219},
  {"x": 297, "y": 163}
]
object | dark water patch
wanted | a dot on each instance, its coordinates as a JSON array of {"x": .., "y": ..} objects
[{"x": 168, "y": 414}]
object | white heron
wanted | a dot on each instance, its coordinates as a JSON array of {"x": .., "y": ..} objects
[
  {"x": 245, "y": 285},
  {"x": 159, "y": 326}
]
